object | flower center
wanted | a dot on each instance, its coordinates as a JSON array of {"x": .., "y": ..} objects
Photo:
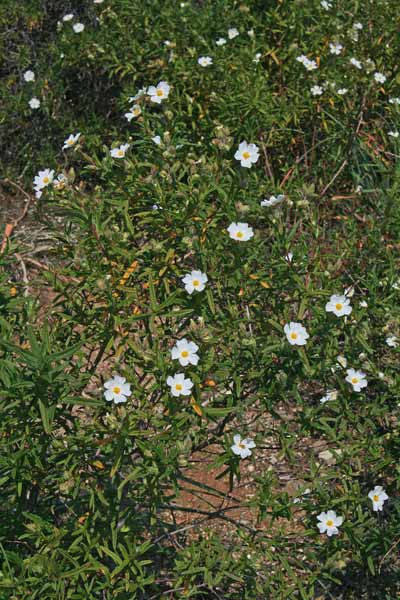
[
  {"x": 293, "y": 335},
  {"x": 329, "y": 523},
  {"x": 70, "y": 142},
  {"x": 160, "y": 93},
  {"x": 195, "y": 282},
  {"x": 120, "y": 152},
  {"x": 184, "y": 353},
  {"x": 339, "y": 306},
  {"x": 246, "y": 155},
  {"x": 354, "y": 380},
  {"x": 242, "y": 446},
  {"x": 239, "y": 234},
  {"x": 116, "y": 390},
  {"x": 376, "y": 498},
  {"x": 178, "y": 387},
  {"x": 46, "y": 180}
]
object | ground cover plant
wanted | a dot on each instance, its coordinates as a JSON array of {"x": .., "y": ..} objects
[{"x": 199, "y": 300}]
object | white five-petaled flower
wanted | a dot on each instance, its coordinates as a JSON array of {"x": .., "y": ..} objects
[
  {"x": 296, "y": 334},
  {"x": 205, "y": 61},
  {"x": 242, "y": 447},
  {"x": 316, "y": 90},
  {"x": 185, "y": 352},
  {"x": 391, "y": 341},
  {"x": 220, "y": 41},
  {"x": 117, "y": 390},
  {"x": 240, "y": 232},
  {"x": 394, "y": 101},
  {"x": 34, "y": 103},
  {"x": 120, "y": 151},
  {"x": 68, "y": 17},
  {"x": 335, "y": 48},
  {"x": 329, "y": 523},
  {"x": 247, "y": 154},
  {"x": 339, "y": 305},
  {"x": 356, "y": 63},
  {"x": 272, "y": 200},
  {"x": 134, "y": 112},
  {"x": 310, "y": 65},
  {"x": 329, "y": 396},
  {"x": 78, "y": 27},
  {"x": 342, "y": 91},
  {"x": 357, "y": 379},
  {"x": 179, "y": 385},
  {"x": 71, "y": 140},
  {"x": 232, "y": 33},
  {"x": 378, "y": 496},
  {"x": 195, "y": 281},
  {"x": 43, "y": 179},
  {"x": 159, "y": 92},
  {"x": 379, "y": 77},
  {"x": 29, "y": 76}
]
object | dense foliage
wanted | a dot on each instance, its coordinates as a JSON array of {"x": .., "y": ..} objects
[{"x": 94, "y": 499}]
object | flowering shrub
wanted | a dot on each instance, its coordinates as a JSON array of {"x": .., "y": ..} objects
[{"x": 199, "y": 386}]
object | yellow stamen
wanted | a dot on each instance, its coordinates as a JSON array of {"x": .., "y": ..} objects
[
  {"x": 293, "y": 335},
  {"x": 195, "y": 282},
  {"x": 178, "y": 387},
  {"x": 354, "y": 380},
  {"x": 160, "y": 93},
  {"x": 239, "y": 234},
  {"x": 329, "y": 523},
  {"x": 246, "y": 155},
  {"x": 376, "y": 498},
  {"x": 184, "y": 353},
  {"x": 339, "y": 306},
  {"x": 116, "y": 390}
]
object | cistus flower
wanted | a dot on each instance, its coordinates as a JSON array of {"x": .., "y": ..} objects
[
  {"x": 194, "y": 281},
  {"x": 220, "y": 41},
  {"x": 232, "y": 33},
  {"x": 179, "y": 385},
  {"x": 120, "y": 151},
  {"x": 379, "y": 77},
  {"x": 29, "y": 76},
  {"x": 43, "y": 179},
  {"x": 117, "y": 390},
  {"x": 391, "y": 341},
  {"x": 335, "y": 48},
  {"x": 240, "y": 232},
  {"x": 339, "y": 305},
  {"x": 316, "y": 90},
  {"x": 242, "y": 447},
  {"x": 329, "y": 523},
  {"x": 185, "y": 352},
  {"x": 248, "y": 154},
  {"x": 329, "y": 396},
  {"x": 159, "y": 92},
  {"x": 378, "y": 496},
  {"x": 156, "y": 139},
  {"x": 357, "y": 379},
  {"x": 310, "y": 65},
  {"x": 71, "y": 140},
  {"x": 134, "y": 112},
  {"x": 205, "y": 61},
  {"x": 272, "y": 200},
  {"x": 78, "y": 27},
  {"x": 34, "y": 103},
  {"x": 296, "y": 334}
]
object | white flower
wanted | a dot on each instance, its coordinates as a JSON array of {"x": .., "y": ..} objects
[
  {"x": 60, "y": 182},
  {"x": 29, "y": 76},
  {"x": 185, "y": 352},
  {"x": 379, "y": 77},
  {"x": 394, "y": 101},
  {"x": 326, "y": 5},
  {"x": 232, "y": 33},
  {"x": 117, "y": 390},
  {"x": 134, "y": 112},
  {"x": 363, "y": 304},
  {"x": 78, "y": 27},
  {"x": 391, "y": 341},
  {"x": 242, "y": 447},
  {"x": 329, "y": 396},
  {"x": 342, "y": 91},
  {"x": 205, "y": 61},
  {"x": 393, "y": 134},
  {"x": 356, "y": 63},
  {"x": 339, "y": 305},
  {"x": 98, "y": 1},
  {"x": 316, "y": 90},
  {"x": 357, "y": 379},
  {"x": 43, "y": 179},
  {"x": 289, "y": 257},
  {"x": 335, "y": 48},
  {"x": 68, "y": 17},
  {"x": 329, "y": 523},
  {"x": 120, "y": 151},
  {"x": 273, "y": 200},
  {"x": 296, "y": 334},
  {"x": 358, "y": 26},
  {"x": 158, "y": 93},
  {"x": 220, "y": 41},
  {"x": 195, "y": 280},
  {"x": 247, "y": 154},
  {"x": 179, "y": 385},
  {"x": 34, "y": 103},
  {"x": 342, "y": 360},
  {"x": 240, "y": 232},
  {"x": 250, "y": 32},
  {"x": 378, "y": 496},
  {"x": 139, "y": 94},
  {"x": 38, "y": 193},
  {"x": 71, "y": 140},
  {"x": 310, "y": 65},
  {"x": 257, "y": 57},
  {"x": 156, "y": 139}
]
